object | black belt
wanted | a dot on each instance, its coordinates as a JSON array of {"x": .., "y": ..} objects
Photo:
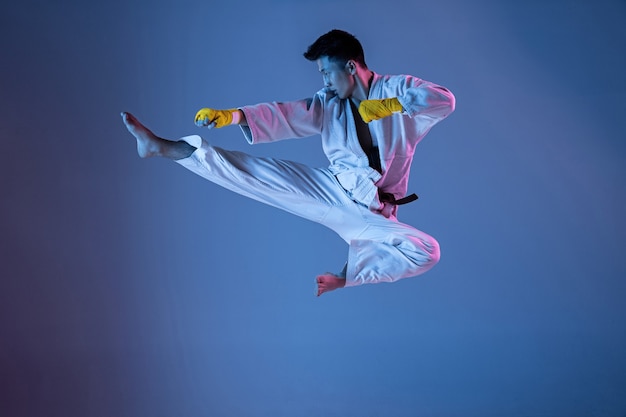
[{"x": 389, "y": 198}]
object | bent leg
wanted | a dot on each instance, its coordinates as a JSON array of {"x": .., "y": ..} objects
[
  {"x": 381, "y": 249},
  {"x": 388, "y": 251}
]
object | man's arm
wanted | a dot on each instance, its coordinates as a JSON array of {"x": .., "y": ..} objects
[
  {"x": 241, "y": 118},
  {"x": 411, "y": 96},
  {"x": 427, "y": 100},
  {"x": 269, "y": 122}
]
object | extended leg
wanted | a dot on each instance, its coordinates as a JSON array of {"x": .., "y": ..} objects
[
  {"x": 381, "y": 250},
  {"x": 307, "y": 192}
]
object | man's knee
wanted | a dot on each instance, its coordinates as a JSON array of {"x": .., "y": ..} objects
[
  {"x": 422, "y": 252},
  {"x": 434, "y": 251},
  {"x": 429, "y": 254}
]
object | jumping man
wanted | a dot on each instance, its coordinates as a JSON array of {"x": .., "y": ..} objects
[{"x": 369, "y": 126}]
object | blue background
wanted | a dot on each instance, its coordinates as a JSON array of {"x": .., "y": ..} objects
[{"x": 131, "y": 287}]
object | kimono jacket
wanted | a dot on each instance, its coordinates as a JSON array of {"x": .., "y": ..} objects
[{"x": 424, "y": 104}]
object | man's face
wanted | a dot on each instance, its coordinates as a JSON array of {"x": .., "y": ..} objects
[{"x": 337, "y": 77}]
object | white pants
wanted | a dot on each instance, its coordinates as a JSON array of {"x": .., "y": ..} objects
[{"x": 381, "y": 249}]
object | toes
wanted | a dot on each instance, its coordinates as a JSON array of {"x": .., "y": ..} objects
[
  {"x": 320, "y": 286},
  {"x": 128, "y": 118}
]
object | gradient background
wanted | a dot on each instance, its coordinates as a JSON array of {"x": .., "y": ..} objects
[{"x": 131, "y": 287}]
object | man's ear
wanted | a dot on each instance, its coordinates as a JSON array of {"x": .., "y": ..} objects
[{"x": 351, "y": 67}]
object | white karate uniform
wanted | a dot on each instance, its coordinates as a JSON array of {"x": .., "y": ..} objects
[{"x": 344, "y": 196}]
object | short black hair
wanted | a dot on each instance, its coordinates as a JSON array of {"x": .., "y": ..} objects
[{"x": 337, "y": 45}]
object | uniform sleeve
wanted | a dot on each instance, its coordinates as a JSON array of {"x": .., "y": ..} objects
[
  {"x": 271, "y": 122},
  {"x": 424, "y": 99}
]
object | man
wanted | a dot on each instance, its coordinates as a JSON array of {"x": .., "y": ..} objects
[{"x": 369, "y": 126}]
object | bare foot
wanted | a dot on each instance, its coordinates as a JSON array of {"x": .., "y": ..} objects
[
  {"x": 328, "y": 282},
  {"x": 148, "y": 144}
]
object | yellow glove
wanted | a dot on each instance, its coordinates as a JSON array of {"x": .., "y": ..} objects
[
  {"x": 377, "y": 109},
  {"x": 217, "y": 118}
]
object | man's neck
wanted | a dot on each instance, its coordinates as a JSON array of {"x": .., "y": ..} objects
[{"x": 363, "y": 79}]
